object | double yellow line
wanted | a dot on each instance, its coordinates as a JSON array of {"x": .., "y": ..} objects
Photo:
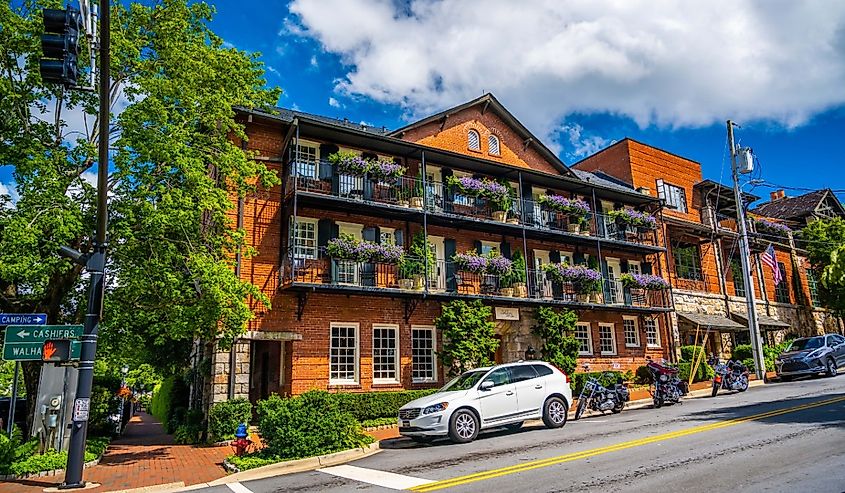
[{"x": 527, "y": 466}]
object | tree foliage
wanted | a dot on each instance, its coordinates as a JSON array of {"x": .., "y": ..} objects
[
  {"x": 174, "y": 171},
  {"x": 825, "y": 242},
  {"x": 469, "y": 336},
  {"x": 554, "y": 328}
]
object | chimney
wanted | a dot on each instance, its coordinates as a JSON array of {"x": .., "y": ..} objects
[{"x": 778, "y": 195}]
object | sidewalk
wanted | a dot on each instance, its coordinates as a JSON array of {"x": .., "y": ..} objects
[{"x": 144, "y": 456}]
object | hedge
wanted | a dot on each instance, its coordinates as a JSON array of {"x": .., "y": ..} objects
[
  {"x": 224, "y": 418},
  {"x": 160, "y": 402},
  {"x": 690, "y": 353},
  {"x": 705, "y": 371},
  {"x": 365, "y": 406},
  {"x": 605, "y": 378}
]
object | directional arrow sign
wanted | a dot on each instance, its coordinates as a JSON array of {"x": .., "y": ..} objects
[
  {"x": 23, "y": 319},
  {"x": 28, "y": 334}
]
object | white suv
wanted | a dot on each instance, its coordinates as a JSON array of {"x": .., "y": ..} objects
[{"x": 502, "y": 395}]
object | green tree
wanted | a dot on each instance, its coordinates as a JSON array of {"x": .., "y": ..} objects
[
  {"x": 554, "y": 328},
  {"x": 825, "y": 243},
  {"x": 173, "y": 174},
  {"x": 469, "y": 335}
]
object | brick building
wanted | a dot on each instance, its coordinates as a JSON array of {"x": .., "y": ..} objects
[
  {"x": 348, "y": 325},
  {"x": 702, "y": 260}
]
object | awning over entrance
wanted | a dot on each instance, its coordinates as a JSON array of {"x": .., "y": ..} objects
[
  {"x": 766, "y": 322},
  {"x": 705, "y": 321}
]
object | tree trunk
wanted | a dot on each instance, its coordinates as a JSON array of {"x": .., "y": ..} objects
[{"x": 31, "y": 371}]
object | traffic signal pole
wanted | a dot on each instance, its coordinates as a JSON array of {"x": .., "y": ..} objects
[{"x": 95, "y": 265}]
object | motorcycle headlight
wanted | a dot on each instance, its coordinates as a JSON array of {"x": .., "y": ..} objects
[
  {"x": 436, "y": 408},
  {"x": 664, "y": 378}
]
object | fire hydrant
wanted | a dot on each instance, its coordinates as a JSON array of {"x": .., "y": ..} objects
[{"x": 241, "y": 442}]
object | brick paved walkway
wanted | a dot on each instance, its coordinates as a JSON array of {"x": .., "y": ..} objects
[{"x": 144, "y": 456}]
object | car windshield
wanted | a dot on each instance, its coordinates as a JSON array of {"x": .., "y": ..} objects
[
  {"x": 464, "y": 382},
  {"x": 802, "y": 344}
]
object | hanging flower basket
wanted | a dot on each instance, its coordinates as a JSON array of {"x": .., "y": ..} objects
[
  {"x": 384, "y": 169},
  {"x": 470, "y": 262},
  {"x": 644, "y": 281},
  {"x": 771, "y": 227},
  {"x": 499, "y": 195},
  {"x": 583, "y": 279},
  {"x": 349, "y": 163},
  {"x": 386, "y": 254},
  {"x": 498, "y": 265},
  {"x": 576, "y": 208},
  {"x": 642, "y": 220},
  {"x": 347, "y": 247}
]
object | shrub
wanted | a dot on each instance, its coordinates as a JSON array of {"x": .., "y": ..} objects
[
  {"x": 28, "y": 462},
  {"x": 308, "y": 425},
  {"x": 188, "y": 426},
  {"x": 372, "y": 423},
  {"x": 375, "y": 405},
  {"x": 642, "y": 375},
  {"x": 606, "y": 378},
  {"x": 705, "y": 372},
  {"x": 742, "y": 352},
  {"x": 224, "y": 418},
  {"x": 690, "y": 353},
  {"x": 558, "y": 348},
  {"x": 469, "y": 337},
  {"x": 251, "y": 461},
  {"x": 160, "y": 402}
]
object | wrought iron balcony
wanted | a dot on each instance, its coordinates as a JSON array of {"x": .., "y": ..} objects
[
  {"x": 692, "y": 281},
  {"x": 613, "y": 293}
]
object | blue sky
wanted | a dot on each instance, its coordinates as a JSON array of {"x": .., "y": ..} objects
[{"x": 580, "y": 74}]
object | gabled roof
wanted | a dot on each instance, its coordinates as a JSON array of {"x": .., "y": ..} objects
[
  {"x": 797, "y": 208},
  {"x": 490, "y": 102},
  {"x": 287, "y": 115}
]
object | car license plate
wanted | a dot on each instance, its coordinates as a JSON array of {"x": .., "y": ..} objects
[{"x": 406, "y": 424}]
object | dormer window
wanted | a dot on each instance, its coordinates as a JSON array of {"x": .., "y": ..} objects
[
  {"x": 473, "y": 141},
  {"x": 493, "y": 145}
]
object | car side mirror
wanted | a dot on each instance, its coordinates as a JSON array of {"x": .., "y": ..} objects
[{"x": 486, "y": 385}]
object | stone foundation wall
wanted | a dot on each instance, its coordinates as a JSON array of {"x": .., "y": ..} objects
[{"x": 220, "y": 373}]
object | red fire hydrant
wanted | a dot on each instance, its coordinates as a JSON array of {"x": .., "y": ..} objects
[{"x": 241, "y": 442}]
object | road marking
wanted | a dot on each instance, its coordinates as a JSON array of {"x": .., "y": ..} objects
[
  {"x": 527, "y": 466},
  {"x": 378, "y": 478},
  {"x": 238, "y": 488}
]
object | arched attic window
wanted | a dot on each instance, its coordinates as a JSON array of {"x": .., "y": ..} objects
[
  {"x": 493, "y": 145},
  {"x": 473, "y": 141}
]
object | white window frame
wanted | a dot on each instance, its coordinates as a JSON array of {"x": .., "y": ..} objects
[
  {"x": 357, "y": 357},
  {"x": 433, "y": 331},
  {"x": 306, "y": 164},
  {"x": 566, "y": 258},
  {"x": 612, "y": 328},
  {"x": 391, "y": 233},
  {"x": 636, "y": 332},
  {"x": 477, "y": 141},
  {"x": 637, "y": 267},
  {"x": 646, "y": 324},
  {"x": 459, "y": 198},
  {"x": 396, "y": 369},
  {"x": 493, "y": 138},
  {"x": 295, "y": 244},
  {"x": 589, "y": 329},
  {"x": 674, "y": 196},
  {"x": 491, "y": 245}
]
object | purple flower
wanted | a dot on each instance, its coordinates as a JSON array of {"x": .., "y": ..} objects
[
  {"x": 497, "y": 264},
  {"x": 771, "y": 226},
  {"x": 582, "y": 278},
  {"x": 470, "y": 262},
  {"x": 644, "y": 281},
  {"x": 634, "y": 218},
  {"x": 384, "y": 169},
  {"x": 574, "y": 207}
]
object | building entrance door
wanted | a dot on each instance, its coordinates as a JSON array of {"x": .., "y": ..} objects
[{"x": 265, "y": 369}]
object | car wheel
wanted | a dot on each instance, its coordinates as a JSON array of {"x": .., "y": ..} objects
[
  {"x": 831, "y": 368},
  {"x": 463, "y": 426},
  {"x": 554, "y": 412},
  {"x": 423, "y": 439},
  {"x": 514, "y": 426}
]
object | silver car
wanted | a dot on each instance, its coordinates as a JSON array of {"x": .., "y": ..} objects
[{"x": 811, "y": 356}]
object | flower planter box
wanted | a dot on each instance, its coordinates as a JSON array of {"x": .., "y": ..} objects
[
  {"x": 416, "y": 202},
  {"x": 500, "y": 216}
]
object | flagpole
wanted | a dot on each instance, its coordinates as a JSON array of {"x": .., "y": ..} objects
[{"x": 745, "y": 254}]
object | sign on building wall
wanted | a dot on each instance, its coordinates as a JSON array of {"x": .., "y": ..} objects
[{"x": 507, "y": 313}]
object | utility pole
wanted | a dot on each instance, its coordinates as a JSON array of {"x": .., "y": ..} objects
[
  {"x": 95, "y": 263},
  {"x": 745, "y": 254}
]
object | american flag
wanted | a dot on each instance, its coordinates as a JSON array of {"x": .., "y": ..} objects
[{"x": 768, "y": 258}]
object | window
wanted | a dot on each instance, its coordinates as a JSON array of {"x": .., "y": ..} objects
[
  {"x": 493, "y": 145},
  {"x": 501, "y": 376},
  {"x": 521, "y": 373},
  {"x": 813, "y": 284},
  {"x": 739, "y": 280},
  {"x": 473, "y": 141},
  {"x": 782, "y": 288},
  {"x": 423, "y": 345},
  {"x": 304, "y": 238},
  {"x": 634, "y": 267},
  {"x": 488, "y": 246},
  {"x": 343, "y": 354},
  {"x": 566, "y": 258},
  {"x": 687, "y": 262},
  {"x": 542, "y": 370},
  {"x": 387, "y": 236},
  {"x": 675, "y": 196},
  {"x": 307, "y": 160},
  {"x": 385, "y": 353},
  {"x": 585, "y": 338},
  {"x": 460, "y": 199},
  {"x": 607, "y": 339},
  {"x": 348, "y": 270},
  {"x": 652, "y": 335},
  {"x": 632, "y": 335}
]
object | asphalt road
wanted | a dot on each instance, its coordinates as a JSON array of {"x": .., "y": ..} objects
[{"x": 779, "y": 437}]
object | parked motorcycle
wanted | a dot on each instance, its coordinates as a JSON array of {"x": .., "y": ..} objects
[
  {"x": 600, "y": 398},
  {"x": 730, "y": 376},
  {"x": 667, "y": 387}
]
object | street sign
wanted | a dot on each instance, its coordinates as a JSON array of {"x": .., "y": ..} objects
[
  {"x": 26, "y": 342},
  {"x": 23, "y": 333},
  {"x": 33, "y": 351},
  {"x": 23, "y": 319}
]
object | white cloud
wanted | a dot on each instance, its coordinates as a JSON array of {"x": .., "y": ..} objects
[
  {"x": 663, "y": 62},
  {"x": 314, "y": 63},
  {"x": 9, "y": 190},
  {"x": 334, "y": 103},
  {"x": 582, "y": 145},
  {"x": 272, "y": 69}
]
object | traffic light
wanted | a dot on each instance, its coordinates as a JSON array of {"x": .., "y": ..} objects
[
  {"x": 60, "y": 45},
  {"x": 56, "y": 351}
]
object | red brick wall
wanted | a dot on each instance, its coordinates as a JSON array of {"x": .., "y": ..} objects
[
  {"x": 614, "y": 161},
  {"x": 453, "y": 137}
]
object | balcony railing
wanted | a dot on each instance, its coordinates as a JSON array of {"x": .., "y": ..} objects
[
  {"x": 444, "y": 277},
  {"x": 438, "y": 198}
]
